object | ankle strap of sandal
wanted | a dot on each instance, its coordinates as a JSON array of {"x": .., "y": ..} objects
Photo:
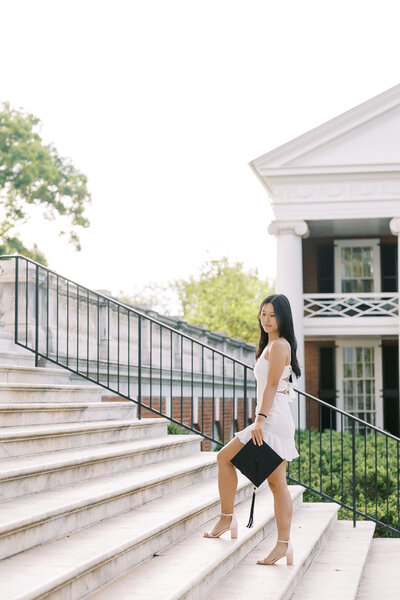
[
  {"x": 283, "y": 541},
  {"x": 227, "y": 514}
]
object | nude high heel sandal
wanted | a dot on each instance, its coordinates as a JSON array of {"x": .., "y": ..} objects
[
  {"x": 233, "y": 527},
  {"x": 288, "y": 554}
]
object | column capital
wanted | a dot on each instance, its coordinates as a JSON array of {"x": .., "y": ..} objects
[
  {"x": 298, "y": 227},
  {"x": 395, "y": 225}
]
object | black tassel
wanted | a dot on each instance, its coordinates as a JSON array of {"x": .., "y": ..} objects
[{"x": 250, "y": 523}]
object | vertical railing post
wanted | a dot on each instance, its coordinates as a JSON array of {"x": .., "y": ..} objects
[
  {"x": 129, "y": 355},
  {"x": 16, "y": 301},
  {"x": 47, "y": 313},
  {"x": 140, "y": 367},
  {"x": 77, "y": 327},
  {"x": 245, "y": 409},
  {"x": 37, "y": 317},
  {"x": 354, "y": 470}
]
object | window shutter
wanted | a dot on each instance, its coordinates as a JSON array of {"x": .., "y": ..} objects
[
  {"x": 325, "y": 269},
  {"x": 327, "y": 384},
  {"x": 390, "y": 370},
  {"x": 389, "y": 281}
]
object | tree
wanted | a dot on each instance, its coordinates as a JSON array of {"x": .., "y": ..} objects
[
  {"x": 32, "y": 173},
  {"x": 224, "y": 297},
  {"x": 159, "y": 297}
]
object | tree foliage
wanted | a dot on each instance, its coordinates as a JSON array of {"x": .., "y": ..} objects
[
  {"x": 225, "y": 297},
  {"x": 159, "y": 297},
  {"x": 32, "y": 173}
]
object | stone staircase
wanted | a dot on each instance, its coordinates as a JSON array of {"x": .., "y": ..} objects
[{"x": 97, "y": 504}]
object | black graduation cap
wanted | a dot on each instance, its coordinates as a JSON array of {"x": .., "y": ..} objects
[{"x": 256, "y": 463}]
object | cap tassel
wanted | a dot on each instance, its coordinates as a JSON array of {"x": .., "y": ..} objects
[{"x": 251, "y": 519}]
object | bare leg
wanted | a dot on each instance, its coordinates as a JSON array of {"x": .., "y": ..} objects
[
  {"x": 227, "y": 482},
  {"x": 283, "y": 511}
]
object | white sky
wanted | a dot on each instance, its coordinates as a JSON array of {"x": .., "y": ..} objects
[{"x": 162, "y": 104}]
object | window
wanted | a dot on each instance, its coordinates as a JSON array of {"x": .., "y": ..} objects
[
  {"x": 359, "y": 383},
  {"x": 357, "y": 266}
]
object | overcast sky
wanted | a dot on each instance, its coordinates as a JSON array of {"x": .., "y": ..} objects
[{"x": 163, "y": 103}]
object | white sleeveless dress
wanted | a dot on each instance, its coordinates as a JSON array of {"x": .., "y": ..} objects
[{"x": 279, "y": 428}]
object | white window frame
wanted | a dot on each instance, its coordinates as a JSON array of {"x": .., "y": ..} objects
[
  {"x": 357, "y": 343},
  {"x": 374, "y": 243}
]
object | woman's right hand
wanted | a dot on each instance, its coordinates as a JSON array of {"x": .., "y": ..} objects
[{"x": 257, "y": 431}]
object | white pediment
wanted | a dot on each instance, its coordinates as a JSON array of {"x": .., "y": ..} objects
[
  {"x": 375, "y": 142},
  {"x": 365, "y": 138}
]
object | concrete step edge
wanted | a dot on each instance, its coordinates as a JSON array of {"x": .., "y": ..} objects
[
  {"x": 22, "y": 432},
  {"x": 38, "y": 387},
  {"x": 42, "y": 406},
  {"x": 90, "y": 454},
  {"x": 81, "y": 505},
  {"x": 33, "y": 369}
]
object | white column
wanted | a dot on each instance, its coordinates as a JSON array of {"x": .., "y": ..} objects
[
  {"x": 395, "y": 229},
  {"x": 289, "y": 281}
]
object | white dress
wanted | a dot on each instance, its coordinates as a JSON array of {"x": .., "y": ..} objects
[{"x": 279, "y": 428}]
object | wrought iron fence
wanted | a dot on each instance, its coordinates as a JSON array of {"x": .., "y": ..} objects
[
  {"x": 349, "y": 461},
  {"x": 161, "y": 369}
]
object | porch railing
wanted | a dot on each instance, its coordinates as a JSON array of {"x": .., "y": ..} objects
[
  {"x": 200, "y": 388},
  {"x": 351, "y": 305}
]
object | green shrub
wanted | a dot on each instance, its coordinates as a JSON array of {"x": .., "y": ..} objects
[
  {"x": 174, "y": 429},
  {"x": 376, "y": 473}
]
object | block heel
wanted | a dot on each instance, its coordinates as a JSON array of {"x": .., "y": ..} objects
[{"x": 233, "y": 528}]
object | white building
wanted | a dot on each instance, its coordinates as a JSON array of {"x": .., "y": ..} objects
[{"x": 335, "y": 192}]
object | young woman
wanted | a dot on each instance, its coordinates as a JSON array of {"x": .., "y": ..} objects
[{"x": 276, "y": 361}]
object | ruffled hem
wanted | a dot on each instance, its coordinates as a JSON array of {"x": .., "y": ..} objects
[{"x": 285, "y": 448}]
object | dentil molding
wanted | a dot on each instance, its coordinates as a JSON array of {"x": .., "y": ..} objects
[
  {"x": 338, "y": 191},
  {"x": 299, "y": 228}
]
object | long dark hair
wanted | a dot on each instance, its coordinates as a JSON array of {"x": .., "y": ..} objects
[{"x": 284, "y": 319}]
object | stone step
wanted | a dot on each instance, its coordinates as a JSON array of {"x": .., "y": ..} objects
[
  {"x": 31, "y": 474},
  {"x": 16, "y": 357},
  {"x": 340, "y": 562},
  {"x": 31, "y": 374},
  {"x": 11, "y": 393},
  {"x": 381, "y": 575},
  {"x": 7, "y": 344},
  {"x": 14, "y": 415},
  {"x": 36, "y": 439},
  {"x": 311, "y": 526},
  {"x": 79, "y": 564},
  {"x": 28, "y": 522},
  {"x": 192, "y": 566}
]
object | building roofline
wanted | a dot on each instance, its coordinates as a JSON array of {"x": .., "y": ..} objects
[{"x": 328, "y": 131}]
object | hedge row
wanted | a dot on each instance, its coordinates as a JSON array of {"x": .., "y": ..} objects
[{"x": 376, "y": 472}]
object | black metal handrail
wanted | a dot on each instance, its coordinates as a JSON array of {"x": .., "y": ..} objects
[{"x": 200, "y": 388}]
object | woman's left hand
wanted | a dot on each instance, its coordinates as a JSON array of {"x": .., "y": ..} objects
[{"x": 257, "y": 431}]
